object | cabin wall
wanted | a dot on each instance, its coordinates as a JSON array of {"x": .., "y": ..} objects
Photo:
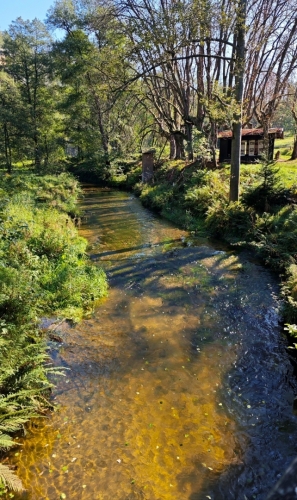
[{"x": 252, "y": 149}]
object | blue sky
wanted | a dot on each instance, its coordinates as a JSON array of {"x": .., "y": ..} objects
[{"x": 27, "y": 9}]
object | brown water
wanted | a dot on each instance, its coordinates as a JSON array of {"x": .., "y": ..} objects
[{"x": 179, "y": 386}]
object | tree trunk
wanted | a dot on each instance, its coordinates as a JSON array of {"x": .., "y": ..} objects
[
  {"x": 294, "y": 152},
  {"x": 213, "y": 139},
  {"x": 235, "y": 162},
  {"x": 237, "y": 118},
  {"x": 179, "y": 145},
  {"x": 172, "y": 147},
  {"x": 189, "y": 135},
  {"x": 7, "y": 149},
  {"x": 265, "y": 124},
  {"x": 37, "y": 154},
  {"x": 200, "y": 89},
  {"x": 101, "y": 126},
  {"x": 294, "y": 113}
]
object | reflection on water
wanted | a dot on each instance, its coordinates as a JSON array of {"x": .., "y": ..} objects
[{"x": 173, "y": 382}]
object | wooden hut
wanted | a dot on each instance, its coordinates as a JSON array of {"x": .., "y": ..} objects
[{"x": 252, "y": 144}]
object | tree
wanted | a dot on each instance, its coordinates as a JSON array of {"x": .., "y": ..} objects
[
  {"x": 90, "y": 61},
  {"x": 27, "y": 61},
  {"x": 271, "y": 58},
  {"x": 239, "y": 71},
  {"x": 11, "y": 112}
]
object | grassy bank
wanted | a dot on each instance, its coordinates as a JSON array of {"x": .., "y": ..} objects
[
  {"x": 44, "y": 271},
  {"x": 265, "y": 219}
]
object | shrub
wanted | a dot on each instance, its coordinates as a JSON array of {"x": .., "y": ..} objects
[
  {"x": 158, "y": 196},
  {"x": 276, "y": 237},
  {"x": 268, "y": 192},
  {"x": 230, "y": 220},
  {"x": 289, "y": 292}
]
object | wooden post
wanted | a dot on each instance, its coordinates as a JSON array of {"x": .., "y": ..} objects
[{"x": 148, "y": 165}]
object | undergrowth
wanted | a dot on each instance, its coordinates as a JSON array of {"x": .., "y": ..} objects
[{"x": 43, "y": 271}]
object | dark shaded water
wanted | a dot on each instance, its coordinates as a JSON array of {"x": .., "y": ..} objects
[{"x": 179, "y": 386}]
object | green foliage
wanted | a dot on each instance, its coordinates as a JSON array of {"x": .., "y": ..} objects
[
  {"x": 229, "y": 220},
  {"x": 199, "y": 197},
  {"x": 157, "y": 197},
  {"x": 289, "y": 292},
  {"x": 44, "y": 270},
  {"x": 292, "y": 331},
  {"x": 8, "y": 479},
  {"x": 60, "y": 192},
  {"x": 32, "y": 123},
  {"x": 24, "y": 386},
  {"x": 44, "y": 267},
  {"x": 267, "y": 193},
  {"x": 276, "y": 237}
]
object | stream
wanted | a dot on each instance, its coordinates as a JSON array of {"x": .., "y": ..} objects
[{"x": 179, "y": 387}]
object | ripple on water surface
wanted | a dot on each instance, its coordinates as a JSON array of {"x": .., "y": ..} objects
[{"x": 151, "y": 407}]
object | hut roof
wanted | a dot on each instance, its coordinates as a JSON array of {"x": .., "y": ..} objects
[{"x": 246, "y": 132}]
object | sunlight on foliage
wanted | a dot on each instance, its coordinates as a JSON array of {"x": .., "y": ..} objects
[{"x": 44, "y": 270}]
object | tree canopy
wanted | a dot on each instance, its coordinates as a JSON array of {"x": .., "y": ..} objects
[{"x": 140, "y": 73}]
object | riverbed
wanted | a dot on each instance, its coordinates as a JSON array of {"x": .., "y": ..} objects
[{"x": 179, "y": 386}]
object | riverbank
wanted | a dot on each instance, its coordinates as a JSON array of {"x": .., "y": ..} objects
[
  {"x": 265, "y": 219},
  {"x": 44, "y": 271}
]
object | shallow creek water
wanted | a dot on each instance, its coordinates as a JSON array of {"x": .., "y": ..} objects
[{"x": 179, "y": 386}]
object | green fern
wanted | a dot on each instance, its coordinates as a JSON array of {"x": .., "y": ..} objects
[
  {"x": 9, "y": 479},
  {"x": 6, "y": 442}
]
